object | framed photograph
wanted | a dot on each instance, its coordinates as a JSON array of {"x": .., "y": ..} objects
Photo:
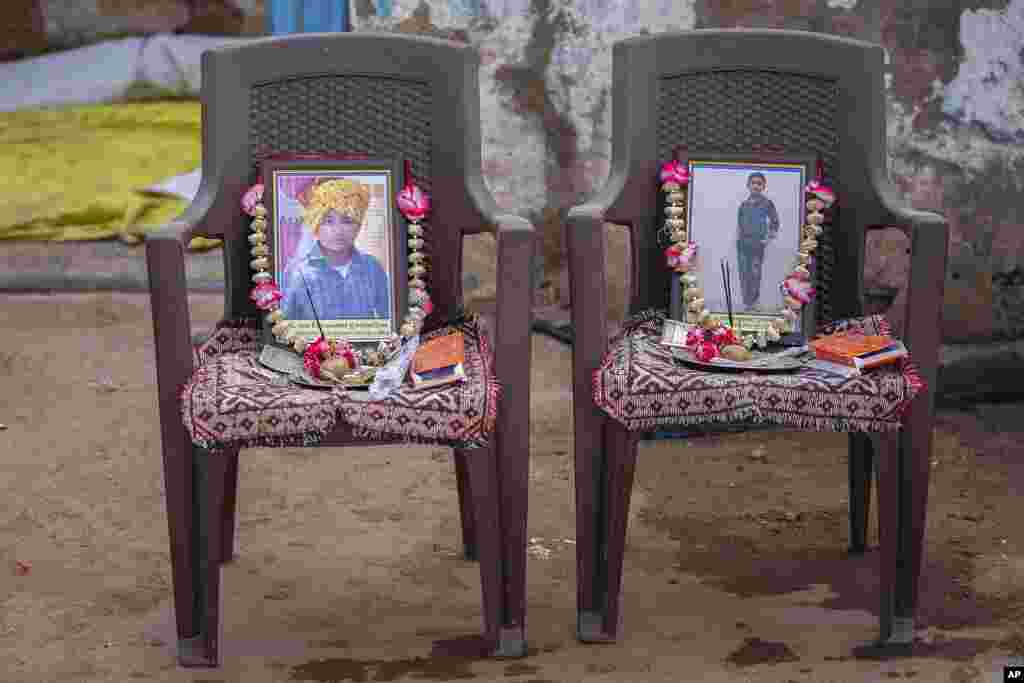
[
  {"x": 748, "y": 211},
  {"x": 337, "y": 245}
]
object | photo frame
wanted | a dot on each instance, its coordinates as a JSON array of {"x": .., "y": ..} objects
[
  {"x": 337, "y": 245},
  {"x": 746, "y": 210}
]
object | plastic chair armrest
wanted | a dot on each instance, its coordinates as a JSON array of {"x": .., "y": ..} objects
[{"x": 929, "y": 252}]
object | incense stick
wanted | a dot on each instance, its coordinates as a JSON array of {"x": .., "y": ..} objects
[
  {"x": 727, "y": 286},
  {"x": 728, "y": 272},
  {"x": 313, "y": 306},
  {"x": 728, "y": 278}
]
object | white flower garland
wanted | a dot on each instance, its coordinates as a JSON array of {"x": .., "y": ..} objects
[
  {"x": 681, "y": 256},
  {"x": 414, "y": 204}
]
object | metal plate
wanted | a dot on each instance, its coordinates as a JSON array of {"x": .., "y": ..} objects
[
  {"x": 281, "y": 360},
  {"x": 761, "y": 362},
  {"x": 306, "y": 380}
]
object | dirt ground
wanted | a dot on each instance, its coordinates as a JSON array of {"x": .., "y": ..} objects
[{"x": 349, "y": 564}]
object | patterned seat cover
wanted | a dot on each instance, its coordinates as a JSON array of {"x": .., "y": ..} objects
[
  {"x": 640, "y": 385},
  {"x": 224, "y": 406}
]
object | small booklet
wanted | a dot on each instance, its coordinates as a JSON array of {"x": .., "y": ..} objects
[{"x": 439, "y": 361}]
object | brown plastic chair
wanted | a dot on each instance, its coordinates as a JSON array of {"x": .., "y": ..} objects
[
  {"x": 734, "y": 91},
  {"x": 388, "y": 95}
]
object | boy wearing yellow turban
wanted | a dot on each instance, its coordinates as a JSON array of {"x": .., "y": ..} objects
[{"x": 343, "y": 281}]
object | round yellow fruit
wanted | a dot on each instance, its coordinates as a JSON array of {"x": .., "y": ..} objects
[{"x": 737, "y": 353}]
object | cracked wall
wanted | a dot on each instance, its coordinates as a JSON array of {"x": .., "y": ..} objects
[
  {"x": 955, "y": 120},
  {"x": 545, "y": 105},
  {"x": 955, "y": 134}
]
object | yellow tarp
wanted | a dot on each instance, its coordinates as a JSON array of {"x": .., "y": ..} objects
[{"x": 71, "y": 173}]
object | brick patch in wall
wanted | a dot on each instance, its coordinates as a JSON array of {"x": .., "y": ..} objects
[{"x": 22, "y": 28}]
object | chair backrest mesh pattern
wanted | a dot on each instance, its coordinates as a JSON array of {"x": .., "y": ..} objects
[
  {"x": 387, "y": 117},
  {"x": 741, "y": 110},
  {"x": 333, "y": 114}
]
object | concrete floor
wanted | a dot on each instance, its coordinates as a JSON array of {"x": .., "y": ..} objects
[{"x": 348, "y": 564}]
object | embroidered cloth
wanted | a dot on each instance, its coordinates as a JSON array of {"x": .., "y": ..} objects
[
  {"x": 639, "y": 384},
  {"x": 223, "y": 405}
]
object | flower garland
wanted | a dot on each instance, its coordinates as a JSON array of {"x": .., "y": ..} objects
[
  {"x": 710, "y": 336},
  {"x": 329, "y": 359}
]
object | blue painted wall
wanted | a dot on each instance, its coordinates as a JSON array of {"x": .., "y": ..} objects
[{"x": 307, "y": 16}]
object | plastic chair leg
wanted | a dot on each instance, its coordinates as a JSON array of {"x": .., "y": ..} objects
[
  {"x": 901, "y": 531},
  {"x": 209, "y": 472},
  {"x": 465, "y": 504},
  {"x": 860, "y": 465},
  {"x": 230, "y": 506},
  {"x": 906, "y": 495},
  {"x": 616, "y": 482},
  {"x": 179, "y": 496},
  {"x": 482, "y": 469}
]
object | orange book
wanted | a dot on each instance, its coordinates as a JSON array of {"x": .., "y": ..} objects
[
  {"x": 440, "y": 352},
  {"x": 858, "y": 350},
  {"x": 842, "y": 347}
]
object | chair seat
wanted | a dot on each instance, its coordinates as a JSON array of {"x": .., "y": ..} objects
[
  {"x": 639, "y": 384},
  {"x": 224, "y": 405}
]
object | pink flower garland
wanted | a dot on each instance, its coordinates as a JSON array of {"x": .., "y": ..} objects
[
  {"x": 265, "y": 295},
  {"x": 413, "y": 203},
  {"x": 252, "y": 197},
  {"x": 321, "y": 350},
  {"x": 710, "y": 336},
  {"x": 314, "y": 354},
  {"x": 707, "y": 344},
  {"x": 674, "y": 172}
]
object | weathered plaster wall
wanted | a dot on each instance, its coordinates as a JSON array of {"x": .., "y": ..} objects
[
  {"x": 956, "y": 126},
  {"x": 956, "y": 130},
  {"x": 956, "y": 108}
]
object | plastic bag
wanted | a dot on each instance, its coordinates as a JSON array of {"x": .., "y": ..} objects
[{"x": 390, "y": 377}]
